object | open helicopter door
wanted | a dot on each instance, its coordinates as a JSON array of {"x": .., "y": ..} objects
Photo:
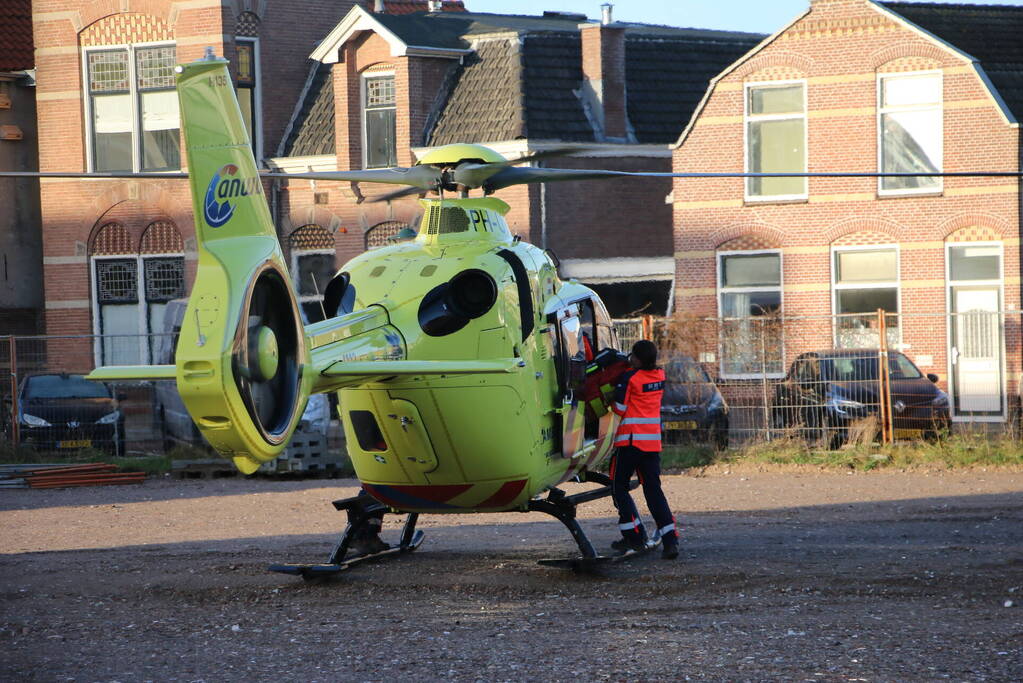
[{"x": 571, "y": 366}]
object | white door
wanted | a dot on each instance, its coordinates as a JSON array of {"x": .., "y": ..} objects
[{"x": 977, "y": 351}]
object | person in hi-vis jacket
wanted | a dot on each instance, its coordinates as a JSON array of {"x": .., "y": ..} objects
[{"x": 638, "y": 443}]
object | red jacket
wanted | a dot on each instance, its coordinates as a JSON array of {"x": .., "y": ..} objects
[{"x": 638, "y": 401}]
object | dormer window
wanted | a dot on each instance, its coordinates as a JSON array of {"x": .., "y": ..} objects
[{"x": 378, "y": 115}]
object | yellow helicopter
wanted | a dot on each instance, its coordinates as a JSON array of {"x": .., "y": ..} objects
[{"x": 460, "y": 357}]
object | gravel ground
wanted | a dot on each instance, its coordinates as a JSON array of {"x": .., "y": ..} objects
[{"x": 784, "y": 575}]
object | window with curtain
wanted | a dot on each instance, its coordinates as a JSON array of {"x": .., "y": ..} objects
[
  {"x": 749, "y": 296},
  {"x": 776, "y": 139},
  {"x": 133, "y": 109},
  {"x": 865, "y": 280},
  {"x": 910, "y": 131},
  {"x": 378, "y": 121}
]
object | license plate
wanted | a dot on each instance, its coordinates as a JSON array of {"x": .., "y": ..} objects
[
  {"x": 907, "y": 433},
  {"x": 80, "y": 443},
  {"x": 682, "y": 424}
]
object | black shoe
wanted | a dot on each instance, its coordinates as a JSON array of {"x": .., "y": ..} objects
[
  {"x": 669, "y": 551},
  {"x": 624, "y": 545}
]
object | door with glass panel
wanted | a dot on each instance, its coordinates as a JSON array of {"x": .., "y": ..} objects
[{"x": 977, "y": 348}]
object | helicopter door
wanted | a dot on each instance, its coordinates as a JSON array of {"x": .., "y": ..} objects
[{"x": 572, "y": 373}]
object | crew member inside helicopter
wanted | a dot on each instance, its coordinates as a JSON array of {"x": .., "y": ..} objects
[{"x": 638, "y": 441}]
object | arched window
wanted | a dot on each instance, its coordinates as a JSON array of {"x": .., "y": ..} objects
[
  {"x": 381, "y": 234},
  {"x": 312, "y": 267},
  {"x": 132, "y": 288}
]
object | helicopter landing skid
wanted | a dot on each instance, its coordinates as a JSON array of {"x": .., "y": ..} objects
[
  {"x": 563, "y": 507},
  {"x": 360, "y": 510},
  {"x": 588, "y": 564}
]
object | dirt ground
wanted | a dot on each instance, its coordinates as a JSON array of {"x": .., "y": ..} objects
[{"x": 785, "y": 575}]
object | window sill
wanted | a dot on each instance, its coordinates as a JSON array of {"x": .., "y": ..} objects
[
  {"x": 760, "y": 201},
  {"x": 911, "y": 195}
]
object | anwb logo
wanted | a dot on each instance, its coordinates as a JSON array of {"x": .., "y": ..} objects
[{"x": 217, "y": 210}]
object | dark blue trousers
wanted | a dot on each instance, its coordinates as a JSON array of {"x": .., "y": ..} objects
[{"x": 647, "y": 465}]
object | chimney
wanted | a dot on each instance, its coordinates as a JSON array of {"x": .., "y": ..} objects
[
  {"x": 378, "y": 6},
  {"x": 603, "y": 52},
  {"x": 434, "y": 5}
]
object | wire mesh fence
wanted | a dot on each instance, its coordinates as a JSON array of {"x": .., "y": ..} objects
[
  {"x": 827, "y": 379},
  {"x": 49, "y": 406},
  {"x": 832, "y": 380}
]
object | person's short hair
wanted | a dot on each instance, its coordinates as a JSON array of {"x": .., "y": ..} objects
[{"x": 645, "y": 352}]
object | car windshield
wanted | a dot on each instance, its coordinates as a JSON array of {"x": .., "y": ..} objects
[
  {"x": 685, "y": 371},
  {"x": 859, "y": 368},
  {"x": 64, "y": 386}
]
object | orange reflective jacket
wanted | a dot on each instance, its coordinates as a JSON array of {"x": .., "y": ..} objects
[{"x": 638, "y": 401}]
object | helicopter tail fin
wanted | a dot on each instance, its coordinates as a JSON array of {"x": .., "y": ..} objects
[{"x": 242, "y": 355}]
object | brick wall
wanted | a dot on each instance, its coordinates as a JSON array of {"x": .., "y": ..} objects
[
  {"x": 838, "y": 49},
  {"x": 74, "y": 209}
]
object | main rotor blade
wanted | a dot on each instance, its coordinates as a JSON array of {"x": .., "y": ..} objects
[
  {"x": 473, "y": 175},
  {"x": 398, "y": 194},
  {"x": 423, "y": 177},
  {"x": 509, "y": 176}
]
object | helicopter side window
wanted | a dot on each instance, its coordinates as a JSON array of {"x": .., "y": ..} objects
[
  {"x": 572, "y": 356},
  {"x": 367, "y": 431},
  {"x": 587, "y": 330}
]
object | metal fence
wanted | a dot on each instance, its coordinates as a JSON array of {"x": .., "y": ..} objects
[
  {"x": 47, "y": 405},
  {"x": 836, "y": 379},
  {"x": 827, "y": 379}
]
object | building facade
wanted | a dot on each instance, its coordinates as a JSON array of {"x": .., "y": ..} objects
[
  {"x": 384, "y": 87},
  {"x": 115, "y": 252},
  {"x": 862, "y": 86},
  {"x": 21, "y": 270}
]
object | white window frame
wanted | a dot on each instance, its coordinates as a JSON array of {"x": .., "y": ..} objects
[
  {"x": 721, "y": 289},
  {"x": 836, "y": 287},
  {"x": 747, "y": 118},
  {"x": 257, "y": 96},
  {"x": 142, "y": 328},
  {"x": 881, "y": 111},
  {"x": 136, "y": 122},
  {"x": 296, "y": 254},
  {"x": 366, "y": 75},
  {"x": 950, "y": 284}
]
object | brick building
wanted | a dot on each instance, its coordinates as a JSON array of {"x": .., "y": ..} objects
[
  {"x": 116, "y": 251},
  {"x": 21, "y": 271},
  {"x": 382, "y": 87},
  {"x": 856, "y": 85}
]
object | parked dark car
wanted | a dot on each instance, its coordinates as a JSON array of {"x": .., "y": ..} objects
[
  {"x": 692, "y": 408},
  {"x": 60, "y": 411},
  {"x": 826, "y": 392}
]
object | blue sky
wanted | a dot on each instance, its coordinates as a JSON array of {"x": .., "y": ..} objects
[{"x": 758, "y": 16}]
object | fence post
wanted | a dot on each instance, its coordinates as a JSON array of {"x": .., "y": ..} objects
[
  {"x": 15, "y": 427},
  {"x": 884, "y": 407},
  {"x": 648, "y": 327},
  {"x": 763, "y": 381}
]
